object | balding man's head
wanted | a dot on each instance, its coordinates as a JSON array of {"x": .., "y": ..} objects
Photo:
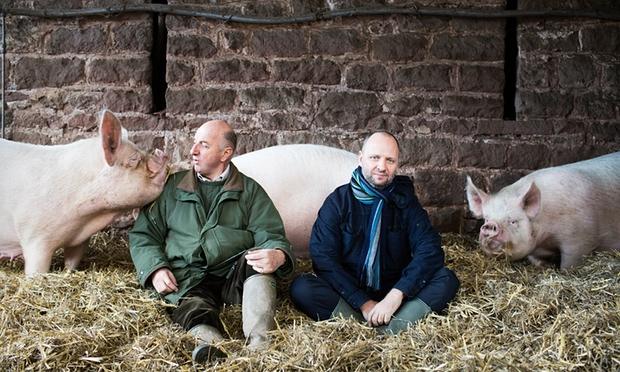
[
  {"x": 214, "y": 146},
  {"x": 224, "y": 132},
  {"x": 383, "y": 136},
  {"x": 379, "y": 159}
]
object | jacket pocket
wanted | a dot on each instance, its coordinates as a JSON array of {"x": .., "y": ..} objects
[
  {"x": 351, "y": 236},
  {"x": 222, "y": 243},
  {"x": 398, "y": 255}
]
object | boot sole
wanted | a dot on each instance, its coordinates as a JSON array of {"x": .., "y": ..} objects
[{"x": 207, "y": 353}]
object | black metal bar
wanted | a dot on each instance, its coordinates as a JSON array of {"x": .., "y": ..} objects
[
  {"x": 312, "y": 17},
  {"x": 511, "y": 57},
  {"x": 2, "y": 90}
]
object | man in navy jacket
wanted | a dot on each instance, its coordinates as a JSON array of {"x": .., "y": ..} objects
[{"x": 375, "y": 255}]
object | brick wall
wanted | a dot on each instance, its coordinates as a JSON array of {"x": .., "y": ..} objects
[{"x": 438, "y": 83}]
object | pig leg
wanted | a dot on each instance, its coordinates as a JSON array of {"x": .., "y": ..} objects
[
  {"x": 570, "y": 259},
  {"x": 74, "y": 254},
  {"x": 537, "y": 261},
  {"x": 573, "y": 250},
  {"x": 545, "y": 257},
  {"x": 37, "y": 258}
]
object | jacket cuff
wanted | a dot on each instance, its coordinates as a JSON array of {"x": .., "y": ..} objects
[
  {"x": 357, "y": 299},
  {"x": 410, "y": 289},
  {"x": 288, "y": 267},
  {"x": 144, "y": 275}
]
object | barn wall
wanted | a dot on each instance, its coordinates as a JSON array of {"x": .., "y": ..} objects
[{"x": 484, "y": 97}]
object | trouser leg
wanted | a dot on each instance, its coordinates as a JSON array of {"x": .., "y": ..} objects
[
  {"x": 198, "y": 313},
  {"x": 440, "y": 290},
  {"x": 194, "y": 310},
  {"x": 313, "y": 296}
]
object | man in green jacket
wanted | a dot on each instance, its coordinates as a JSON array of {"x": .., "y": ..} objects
[{"x": 213, "y": 236}]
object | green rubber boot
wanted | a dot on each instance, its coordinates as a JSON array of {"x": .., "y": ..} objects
[
  {"x": 344, "y": 310},
  {"x": 205, "y": 351},
  {"x": 407, "y": 315}
]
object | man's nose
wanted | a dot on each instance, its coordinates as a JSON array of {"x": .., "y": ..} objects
[
  {"x": 381, "y": 164},
  {"x": 194, "y": 149}
]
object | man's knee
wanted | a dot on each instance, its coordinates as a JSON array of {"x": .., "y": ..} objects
[
  {"x": 440, "y": 290},
  {"x": 195, "y": 310},
  {"x": 313, "y": 296},
  {"x": 301, "y": 290},
  {"x": 450, "y": 281}
]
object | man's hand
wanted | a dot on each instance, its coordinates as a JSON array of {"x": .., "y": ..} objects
[
  {"x": 367, "y": 308},
  {"x": 164, "y": 281},
  {"x": 265, "y": 261},
  {"x": 382, "y": 312}
]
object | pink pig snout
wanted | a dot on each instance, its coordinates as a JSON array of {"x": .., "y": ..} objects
[
  {"x": 489, "y": 239},
  {"x": 489, "y": 230},
  {"x": 157, "y": 165}
]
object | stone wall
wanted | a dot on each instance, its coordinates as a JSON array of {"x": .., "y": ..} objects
[{"x": 438, "y": 83}]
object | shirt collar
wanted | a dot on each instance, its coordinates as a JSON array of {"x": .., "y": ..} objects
[{"x": 219, "y": 178}]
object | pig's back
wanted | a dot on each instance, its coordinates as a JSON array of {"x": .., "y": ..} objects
[
  {"x": 298, "y": 178},
  {"x": 31, "y": 175},
  {"x": 597, "y": 175},
  {"x": 18, "y": 174},
  {"x": 585, "y": 192}
]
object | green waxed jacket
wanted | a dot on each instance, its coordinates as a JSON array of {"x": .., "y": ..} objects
[{"x": 175, "y": 231}]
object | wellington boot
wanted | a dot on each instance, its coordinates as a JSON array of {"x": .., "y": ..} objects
[
  {"x": 409, "y": 313},
  {"x": 205, "y": 351},
  {"x": 258, "y": 310},
  {"x": 344, "y": 310}
]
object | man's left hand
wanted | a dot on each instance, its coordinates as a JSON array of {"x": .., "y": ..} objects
[
  {"x": 382, "y": 312},
  {"x": 265, "y": 261}
]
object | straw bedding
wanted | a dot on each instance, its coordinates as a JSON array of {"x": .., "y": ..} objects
[{"x": 507, "y": 316}]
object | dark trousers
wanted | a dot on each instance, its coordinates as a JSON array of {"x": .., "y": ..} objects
[
  {"x": 202, "y": 304},
  {"x": 317, "y": 299}
]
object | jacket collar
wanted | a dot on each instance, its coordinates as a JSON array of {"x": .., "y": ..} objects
[
  {"x": 234, "y": 182},
  {"x": 403, "y": 191}
]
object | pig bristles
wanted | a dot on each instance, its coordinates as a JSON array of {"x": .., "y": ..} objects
[{"x": 507, "y": 316}]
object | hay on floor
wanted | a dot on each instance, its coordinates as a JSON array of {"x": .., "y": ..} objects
[{"x": 506, "y": 316}]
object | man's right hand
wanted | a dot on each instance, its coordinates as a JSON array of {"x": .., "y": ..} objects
[
  {"x": 164, "y": 281},
  {"x": 366, "y": 308}
]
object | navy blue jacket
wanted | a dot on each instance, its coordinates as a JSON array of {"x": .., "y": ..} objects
[{"x": 410, "y": 249}]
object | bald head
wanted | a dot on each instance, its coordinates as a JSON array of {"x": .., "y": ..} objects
[
  {"x": 381, "y": 136},
  {"x": 379, "y": 159},
  {"x": 214, "y": 146},
  {"x": 223, "y": 131}
]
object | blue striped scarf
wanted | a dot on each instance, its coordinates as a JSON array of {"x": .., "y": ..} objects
[{"x": 367, "y": 194}]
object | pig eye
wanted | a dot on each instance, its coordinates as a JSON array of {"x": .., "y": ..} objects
[{"x": 514, "y": 222}]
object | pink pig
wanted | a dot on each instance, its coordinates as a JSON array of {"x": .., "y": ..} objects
[
  {"x": 571, "y": 210},
  {"x": 55, "y": 197},
  {"x": 298, "y": 178}
]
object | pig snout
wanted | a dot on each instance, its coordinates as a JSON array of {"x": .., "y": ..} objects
[
  {"x": 489, "y": 237},
  {"x": 489, "y": 230},
  {"x": 157, "y": 165}
]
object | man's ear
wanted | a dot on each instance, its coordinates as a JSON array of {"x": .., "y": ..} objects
[{"x": 227, "y": 154}]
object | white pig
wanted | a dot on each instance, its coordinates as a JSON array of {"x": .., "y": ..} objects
[
  {"x": 298, "y": 178},
  {"x": 571, "y": 210},
  {"x": 55, "y": 197}
]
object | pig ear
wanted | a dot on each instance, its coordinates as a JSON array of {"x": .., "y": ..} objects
[
  {"x": 111, "y": 135},
  {"x": 530, "y": 201},
  {"x": 475, "y": 198}
]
